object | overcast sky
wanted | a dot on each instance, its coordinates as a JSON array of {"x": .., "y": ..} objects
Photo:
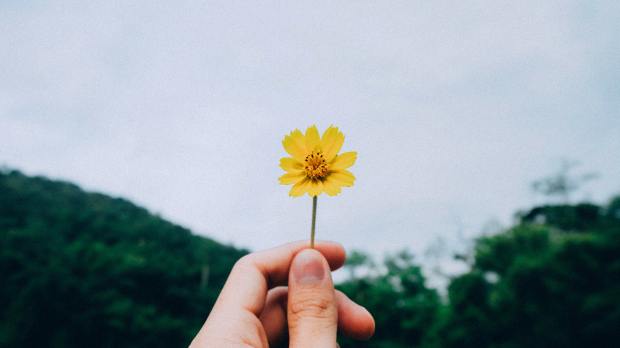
[{"x": 453, "y": 107}]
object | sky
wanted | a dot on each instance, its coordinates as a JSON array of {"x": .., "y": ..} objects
[{"x": 453, "y": 107}]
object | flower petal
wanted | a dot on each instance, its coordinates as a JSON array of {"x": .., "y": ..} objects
[
  {"x": 331, "y": 142},
  {"x": 343, "y": 161},
  {"x": 315, "y": 188},
  {"x": 342, "y": 177},
  {"x": 312, "y": 138},
  {"x": 299, "y": 188},
  {"x": 331, "y": 187},
  {"x": 291, "y": 165},
  {"x": 294, "y": 144},
  {"x": 292, "y": 178}
]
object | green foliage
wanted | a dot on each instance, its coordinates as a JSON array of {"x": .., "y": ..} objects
[
  {"x": 553, "y": 280},
  {"x": 85, "y": 270},
  {"x": 541, "y": 285},
  {"x": 404, "y": 308}
]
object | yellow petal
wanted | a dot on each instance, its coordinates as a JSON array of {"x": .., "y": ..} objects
[
  {"x": 343, "y": 161},
  {"x": 299, "y": 188},
  {"x": 291, "y": 165},
  {"x": 342, "y": 177},
  {"x": 312, "y": 138},
  {"x": 331, "y": 142},
  {"x": 331, "y": 187},
  {"x": 315, "y": 188},
  {"x": 292, "y": 178},
  {"x": 294, "y": 145}
]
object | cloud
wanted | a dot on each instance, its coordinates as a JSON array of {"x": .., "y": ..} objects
[{"x": 181, "y": 106}]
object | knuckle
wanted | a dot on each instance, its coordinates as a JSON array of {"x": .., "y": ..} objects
[
  {"x": 244, "y": 262},
  {"x": 245, "y": 331},
  {"x": 319, "y": 307}
]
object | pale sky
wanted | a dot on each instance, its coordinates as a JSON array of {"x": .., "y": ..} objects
[{"x": 454, "y": 108}]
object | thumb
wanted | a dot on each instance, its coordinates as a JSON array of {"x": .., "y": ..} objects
[{"x": 312, "y": 314}]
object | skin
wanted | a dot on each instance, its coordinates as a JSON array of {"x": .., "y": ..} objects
[{"x": 284, "y": 297}]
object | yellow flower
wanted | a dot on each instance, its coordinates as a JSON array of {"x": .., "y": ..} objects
[{"x": 315, "y": 165}]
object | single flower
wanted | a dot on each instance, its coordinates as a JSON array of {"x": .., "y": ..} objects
[{"x": 315, "y": 165}]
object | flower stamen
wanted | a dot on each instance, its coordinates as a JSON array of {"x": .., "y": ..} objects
[{"x": 315, "y": 166}]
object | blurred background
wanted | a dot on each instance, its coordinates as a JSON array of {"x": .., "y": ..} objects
[{"x": 139, "y": 148}]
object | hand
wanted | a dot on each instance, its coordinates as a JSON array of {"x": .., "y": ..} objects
[{"x": 256, "y": 309}]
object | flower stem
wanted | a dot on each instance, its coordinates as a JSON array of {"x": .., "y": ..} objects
[{"x": 312, "y": 229}]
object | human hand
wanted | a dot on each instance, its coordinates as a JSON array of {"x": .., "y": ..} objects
[{"x": 257, "y": 309}]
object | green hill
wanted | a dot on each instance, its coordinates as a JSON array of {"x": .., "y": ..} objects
[{"x": 83, "y": 269}]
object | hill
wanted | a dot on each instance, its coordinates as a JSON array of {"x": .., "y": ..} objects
[{"x": 83, "y": 269}]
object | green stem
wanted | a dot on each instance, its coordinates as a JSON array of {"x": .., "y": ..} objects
[{"x": 312, "y": 229}]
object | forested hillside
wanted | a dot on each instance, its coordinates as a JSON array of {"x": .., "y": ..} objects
[{"x": 86, "y": 270}]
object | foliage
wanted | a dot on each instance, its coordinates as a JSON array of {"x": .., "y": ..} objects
[
  {"x": 553, "y": 280},
  {"x": 85, "y": 270},
  {"x": 404, "y": 308}
]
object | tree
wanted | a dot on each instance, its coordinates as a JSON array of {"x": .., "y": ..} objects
[
  {"x": 86, "y": 270},
  {"x": 562, "y": 183},
  {"x": 541, "y": 285},
  {"x": 403, "y": 307}
]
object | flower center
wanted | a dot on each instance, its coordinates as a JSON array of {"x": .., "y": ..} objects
[{"x": 315, "y": 165}]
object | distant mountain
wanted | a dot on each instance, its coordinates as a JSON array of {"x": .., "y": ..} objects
[{"x": 80, "y": 269}]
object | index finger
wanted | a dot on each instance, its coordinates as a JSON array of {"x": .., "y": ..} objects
[{"x": 254, "y": 274}]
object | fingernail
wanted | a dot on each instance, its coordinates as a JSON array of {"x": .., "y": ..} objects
[{"x": 307, "y": 267}]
